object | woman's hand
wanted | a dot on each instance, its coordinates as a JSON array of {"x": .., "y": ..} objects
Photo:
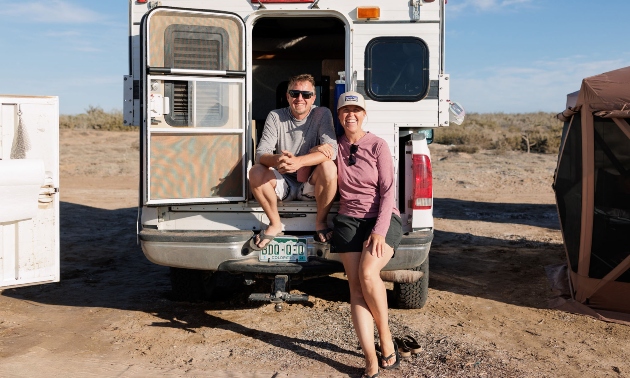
[
  {"x": 325, "y": 149},
  {"x": 375, "y": 244}
]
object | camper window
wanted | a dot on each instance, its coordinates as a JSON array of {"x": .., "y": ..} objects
[
  {"x": 397, "y": 69},
  {"x": 205, "y": 103},
  {"x": 195, "y": 47}
]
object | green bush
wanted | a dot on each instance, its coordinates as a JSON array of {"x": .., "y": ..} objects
[
  {"x": 505, "y": 132},
  {"x": 464, "y": 148},
  {"x": 95, "y": 118}
]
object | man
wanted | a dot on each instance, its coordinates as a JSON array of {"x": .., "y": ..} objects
[{"x": 303, "y": 138}]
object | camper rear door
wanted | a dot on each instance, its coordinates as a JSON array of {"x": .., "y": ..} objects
[{"x": 194, "y": 89}]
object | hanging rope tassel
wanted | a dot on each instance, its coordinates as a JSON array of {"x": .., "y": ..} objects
[{"x": 21, "y": 144}]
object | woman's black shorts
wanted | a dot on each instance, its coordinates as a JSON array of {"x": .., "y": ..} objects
[{"x": 350, "y": 233}]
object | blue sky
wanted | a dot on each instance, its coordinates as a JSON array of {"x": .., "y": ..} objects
[{"x": 503, "y": 55}]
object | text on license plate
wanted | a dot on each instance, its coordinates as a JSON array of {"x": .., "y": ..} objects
[{"x": 285, "y": 249}]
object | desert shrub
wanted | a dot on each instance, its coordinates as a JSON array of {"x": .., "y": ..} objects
[
  {"x": 505, "y": 132},
  {"x": 95, "y": 118},
  {"x": 458, "y": 135},
  {"x": 464, "y": 148},
  {"x": 507, "y": 142}
]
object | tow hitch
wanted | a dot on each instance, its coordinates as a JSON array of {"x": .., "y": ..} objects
[{"x": 279, "y": 294}]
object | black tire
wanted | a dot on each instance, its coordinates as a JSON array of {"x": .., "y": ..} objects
[
  {"x": 413, "y": 295},
  {"x": 224, "y": 286},
  {"x": 191, "y": 285}
]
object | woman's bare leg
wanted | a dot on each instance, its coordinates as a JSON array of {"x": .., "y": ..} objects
[
  {"x": 361, "y": 316},
  {"x": 375, "y": 295}
]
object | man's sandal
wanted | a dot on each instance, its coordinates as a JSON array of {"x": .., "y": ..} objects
[
  {"x": 410, "y": 343},
  {"x": 404, "y": 351},
  {"x": 261, "y": 236}
]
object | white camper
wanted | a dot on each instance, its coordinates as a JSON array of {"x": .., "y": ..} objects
[
  {"x": 203, "y": 77},
  {"x": 29, "y": 186}
]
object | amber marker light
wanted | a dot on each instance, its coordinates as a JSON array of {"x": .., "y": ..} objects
[{"x": 364, "y": 13}]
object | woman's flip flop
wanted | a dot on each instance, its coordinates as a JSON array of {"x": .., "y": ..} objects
[{"x": 395, "y": 354}]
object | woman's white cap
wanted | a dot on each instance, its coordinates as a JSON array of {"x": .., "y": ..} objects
[{"x": 351, "y": 98}]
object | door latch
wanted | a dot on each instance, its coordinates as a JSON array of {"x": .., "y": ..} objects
[{"x": 47, "y": 191}]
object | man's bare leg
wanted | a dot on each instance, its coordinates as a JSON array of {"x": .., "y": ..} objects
[
  {"x": 324, "y": 179},
  {"x": 262, "y": 182}
]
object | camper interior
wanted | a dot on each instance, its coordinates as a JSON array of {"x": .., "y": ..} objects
[{"x": 283, "y": 47}]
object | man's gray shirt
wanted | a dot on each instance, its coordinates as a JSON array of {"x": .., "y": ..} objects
[{"x": 283, "y": 132}]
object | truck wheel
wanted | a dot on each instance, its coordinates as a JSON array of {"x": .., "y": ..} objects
[
  {"x": 224, "y": 286},
  {"x": 191, "y": 284},
  {"x": 413, "y": 295}
]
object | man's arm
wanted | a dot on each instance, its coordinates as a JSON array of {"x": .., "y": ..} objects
[
  {"x": 289, "y": 163},
  {"x": 326, "y": 132},
  {"x": 326, "y": 150},
  {"x": 269, "y": 160},
  {"x": 268, "y": 143}
]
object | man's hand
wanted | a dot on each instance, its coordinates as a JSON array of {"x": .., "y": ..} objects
[
  {"x": 325, "y": 149},
  {"x": 288, "y": 163}
]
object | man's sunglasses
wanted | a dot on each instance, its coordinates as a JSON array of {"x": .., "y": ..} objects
[
  {"x": 294, "y": 93},
  {"x": 352, "y": 160}
]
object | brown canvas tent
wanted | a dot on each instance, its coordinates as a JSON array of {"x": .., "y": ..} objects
[{"x": 592, "y": 186}]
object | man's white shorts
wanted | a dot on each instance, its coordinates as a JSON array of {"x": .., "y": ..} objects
[{"x": 288, "y": 188}]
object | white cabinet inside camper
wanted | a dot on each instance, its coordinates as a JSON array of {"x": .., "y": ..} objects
[{"x": 29, "y": 185}]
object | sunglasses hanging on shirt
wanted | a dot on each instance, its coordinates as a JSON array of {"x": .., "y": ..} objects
[
  {"x": 294, "y": 93},
  {"x": 352, "y": 160}
]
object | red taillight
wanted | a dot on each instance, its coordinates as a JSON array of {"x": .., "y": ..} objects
[{"x": 422, "y": 198}]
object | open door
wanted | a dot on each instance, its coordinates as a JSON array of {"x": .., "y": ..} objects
[
  {"x": 195, "y": 116},
  {"x": 29, "y": 182}
]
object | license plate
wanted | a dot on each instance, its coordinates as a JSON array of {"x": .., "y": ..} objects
[{"x": 284, "y": 249}]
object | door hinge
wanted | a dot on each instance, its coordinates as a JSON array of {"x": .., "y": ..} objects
[{"x": 415, "y": 4}]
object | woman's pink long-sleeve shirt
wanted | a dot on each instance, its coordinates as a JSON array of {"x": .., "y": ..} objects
[{"x": 367, "y": 188}]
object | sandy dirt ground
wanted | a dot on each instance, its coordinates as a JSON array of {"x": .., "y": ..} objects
[{"x": 487, "y": 314}]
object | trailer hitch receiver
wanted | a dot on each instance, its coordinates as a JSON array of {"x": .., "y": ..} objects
[{"x": 279, "y": 294}]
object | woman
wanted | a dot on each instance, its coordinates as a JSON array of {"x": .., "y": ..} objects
[{"x": 367, "y": 229}]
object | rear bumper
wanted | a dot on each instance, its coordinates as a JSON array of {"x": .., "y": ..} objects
[{"x": 228, "y": 251}]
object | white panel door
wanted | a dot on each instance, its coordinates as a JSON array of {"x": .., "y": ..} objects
[{"x": 29, "y": 186}]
